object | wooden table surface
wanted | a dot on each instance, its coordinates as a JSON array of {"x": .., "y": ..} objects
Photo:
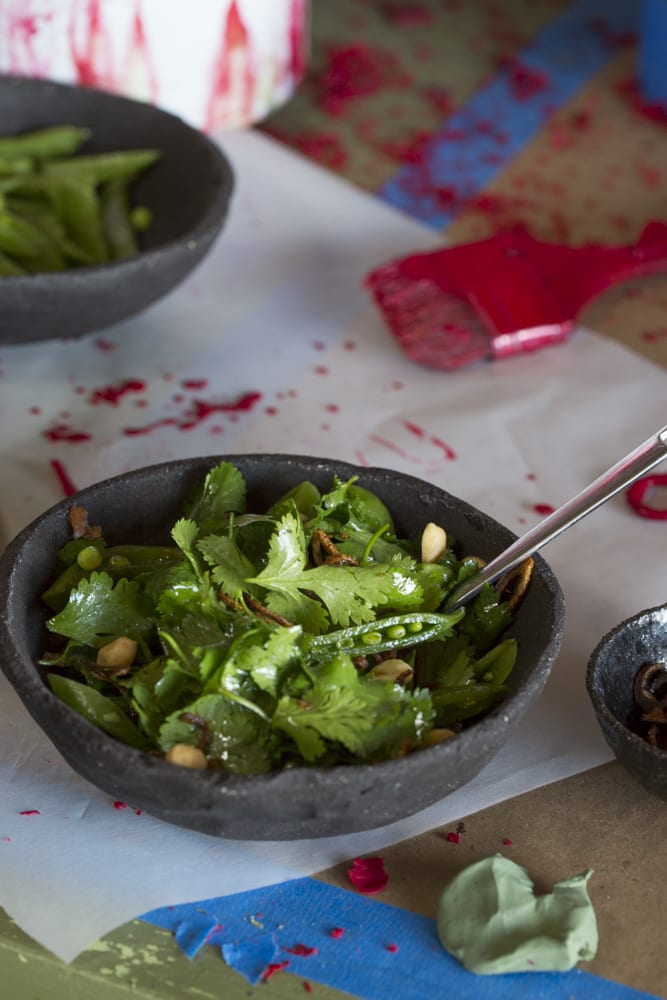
[{"x": 594, "y": 171}]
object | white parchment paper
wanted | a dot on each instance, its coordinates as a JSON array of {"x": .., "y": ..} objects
[{"x": 276, "y": 316}]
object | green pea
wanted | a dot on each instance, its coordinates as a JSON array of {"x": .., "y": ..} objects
[
  {"x": 89, "y": 558},
  {"x": 371, "y": 638},
  {"x": 414, "y": 627},
  {"x": 396, "y": 632}
]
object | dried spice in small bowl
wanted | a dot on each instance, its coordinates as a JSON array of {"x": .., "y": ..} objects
[{"x": 649, "y": 716}]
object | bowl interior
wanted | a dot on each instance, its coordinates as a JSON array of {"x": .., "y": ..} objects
[
  {"x": 610, "y": 676},
  {"x": 141, "y": 506}
]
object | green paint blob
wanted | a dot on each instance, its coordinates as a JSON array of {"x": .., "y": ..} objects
[{"x": 490, "y": 919}]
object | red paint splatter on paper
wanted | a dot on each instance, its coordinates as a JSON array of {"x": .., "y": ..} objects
[
  {"x": 272, "y": 968},
  {"x": 507, "y": 841},
  {"x": 196, "y": 413},
  {"x": 336, "y": 932},
  {"x": 63, "y": 432},
  {"x": 368, "y": 875},
  {"x": 525, "y": 83},
  {"x": 66, "y": 483},
  {"x": 302, "y": 950},
  {"x": 392, "y": 446},
  {"x": 30, "y": 812},
  {"x": 119, "y": 805},
  {"x": 543, "y": 508},
  {"x": 407, "y": 14},
  {"x": 413, "y": 149},
  {"x": 112, "y": 394},
  {"x": 440, "y": 100},
  {"x": 355, "y": 71},
  {"x": 325, "y": 148},
  {"x": 192, "y": 384},
  {"x": 105, "y": 345},
  {"x": 307, "y": 987},
  {"x": 453, "y": 838},
  {"x": 393, "y": 948},
  {"x": 653, "y": 336}
]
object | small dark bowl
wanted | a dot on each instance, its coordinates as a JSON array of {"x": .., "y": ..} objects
[
  {"x": 610, "y": 677},
  {"x": 302, "y": 802},
  {"x": 187, "y": 191}
]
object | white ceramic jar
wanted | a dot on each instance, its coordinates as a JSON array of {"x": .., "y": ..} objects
[{"x": 218, "y": 64}]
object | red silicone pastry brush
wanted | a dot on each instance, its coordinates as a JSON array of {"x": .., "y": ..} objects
[{"x": 502, "y": 296}]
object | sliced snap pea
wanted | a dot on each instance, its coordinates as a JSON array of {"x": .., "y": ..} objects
[{"x": 383, "y": 634}]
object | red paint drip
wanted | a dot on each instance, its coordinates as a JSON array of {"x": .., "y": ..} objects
[
  {"x": 453, "y": 838},
  {"x": 30, "y": 812},
  {"x": 194, "y": 383},
  {"x": 543, "y": 508},
  {"x": 62, "y": 432},
  {"x": 336, "y": 932},
  {"x": 272, "y": 968},
  {"x": 90, "y": 45},
  {"x": 119, "y": 805},
  {"x": 358, "y": 71},
  {"x": 139, "y": 73},
  {"x": 198, "y": 411},
  {"x": 393, "y": 948},
  {"x": 298, "y": 43},
  {"x": 448, "y": 452},
  {"x": 301, "y": 949},
  {"x": 66, "y": 483},
  {"x": 112, "y": 394},
  {"x": 507, "y": 842},
  {"x": 307, "y": 987},
  {"x": 368, "y": 875},
  {"x": 233, "y": 86}
]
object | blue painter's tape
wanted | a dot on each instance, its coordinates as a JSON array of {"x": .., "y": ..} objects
[
  {"x": 382, "y": 951},
  {"x": 477, "y": 141}
]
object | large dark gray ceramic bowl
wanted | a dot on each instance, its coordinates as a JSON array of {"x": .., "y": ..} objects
[
  {"x": 187, "y": 191},
  {"x": 610, "y": 676},
  {"x": 302, "y": 802}
]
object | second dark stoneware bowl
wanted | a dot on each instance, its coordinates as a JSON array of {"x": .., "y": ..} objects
[
  {"x": 610, "y": 676},
  {"x": 187, "y": 191},
  {"x": 305, "y": 802}
]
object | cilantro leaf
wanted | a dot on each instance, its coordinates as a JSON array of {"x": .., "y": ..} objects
[
  {"x": 230, "y": 567},
  {"x": 222, "y": 492},
  {"x": 234, "y": 736},
  {"x": 98, "y": 611}
]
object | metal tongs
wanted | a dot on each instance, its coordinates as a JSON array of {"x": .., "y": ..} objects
[{"x": 620, "y": 475}]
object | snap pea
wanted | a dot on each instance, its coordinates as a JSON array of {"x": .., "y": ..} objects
[
  {"x": 382, "y": 635},
  {"x": 102, "y": 167},
  {"x": 116, "y": 220},
  {"x": 57, "y": 140}
]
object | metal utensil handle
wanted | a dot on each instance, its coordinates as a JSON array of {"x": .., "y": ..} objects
[{"x": 623, "y": 474}]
